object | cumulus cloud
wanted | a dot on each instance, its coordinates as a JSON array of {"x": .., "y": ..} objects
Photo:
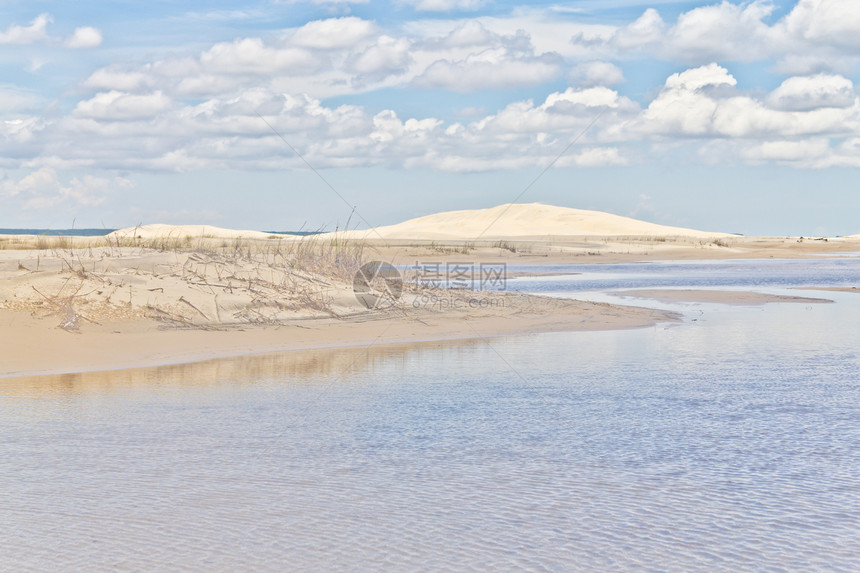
[
  {"x": 808, "y": 151},
  {"x": 333, "y": 33},
  {"x": 513, "y": 63},
  {"x": 815, "y": 36},
  {"x": 646, "y": 31},
  {"x": 596, "y": 73},
  {"x": 35, "y": 182},
  {"x": 725, "y": 31},
  {"x": 701, "y": 108},
  {"x": 808, "y": 93},
  {"x": 199, "y": 110},
  {"x": 695, "y": 79},
  {"x": 832, "y": 22},
  {"x": 323, "y": 57},
  {"x": 339, "y": 56},
  {"x": 702, "y": 102},
  {"x": 253, "y": 56},
  {"x": 467, "y": 34},
  {"x": 492, "y": 69},
  {"x": 116, "y": 78},
  {"x": 445, "y": 5},
  {"x": 85, "y": 37},
  {"x": 116, "y": 130},
  {"x": 43, "y": 189},
  {"x": 119, "y": 106},
  {"x": 35, "y": 32},
  {"x": 388, "y": 56}
]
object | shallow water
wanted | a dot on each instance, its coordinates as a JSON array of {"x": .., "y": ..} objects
[{"x": 728, "y": 443}]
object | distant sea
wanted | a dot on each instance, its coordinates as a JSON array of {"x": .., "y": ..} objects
[
  {"x": 58, "y": 232},
  {"x": 103, "y": 232}
]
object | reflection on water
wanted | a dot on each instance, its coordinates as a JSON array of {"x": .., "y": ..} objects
[
  {"x": 730, "y": 443},
  {"x": 293, "y": 368}
]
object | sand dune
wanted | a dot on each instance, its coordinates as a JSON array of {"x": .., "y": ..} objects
[
  {"x": 504, "y": 221},
  {"x": 524, "y": 220},
  {"x": 178, "y": 231},
  {"x": 103, "y": 307}
]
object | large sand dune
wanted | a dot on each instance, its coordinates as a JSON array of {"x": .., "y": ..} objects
[{"x": 524, "y": 220}]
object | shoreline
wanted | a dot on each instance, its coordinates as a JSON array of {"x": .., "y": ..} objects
[
  {"x": 72, "y": 309},
  {"x": 730, "y": 297},
  {"x": 121, "y": 345}
]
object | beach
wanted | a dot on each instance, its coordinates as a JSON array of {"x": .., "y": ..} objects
[{"x": 157, "y": 295}]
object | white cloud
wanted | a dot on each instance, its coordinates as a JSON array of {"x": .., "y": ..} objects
[
  {"x": 42, "y": 189},
  {"x": 831, "y": 22},
  {"x": 388, "y": 56},
  {"x": 808, "y": 151},
  {"x": 648, "y": 30},
  {"x": 694, "y": 79},
  {"x": 511, "y": 64},
  {"x": 38, "y": 181},
  {"x": 340, "y": 56},
  {"x": 595, "y": 73},
  {"x": 815, "y": 36},
  {"x": 699, "y": 108},
  {"x": 198, "y": 111},
  {"x": 809, "y": 93},
  {"x": 445, "y": 5},
  {"x": 593, "y": 157},
  {"x": 702, "y": 103},
  {"x": 492, "y": 69},
  {"x": 118, "y": 79},
  {"x": 467, "y": 34},
  {"x": 35, "y": 32},
  {"x": 253, "y": 56},
  {"x": 333, "y": 33},
  {"x": 724, "y": 31},
  {"x": 85, "y": 37},
  {"x": 119, "y": 106}
]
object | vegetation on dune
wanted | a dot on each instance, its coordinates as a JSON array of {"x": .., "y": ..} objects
[{"x": 243, "y": 281}]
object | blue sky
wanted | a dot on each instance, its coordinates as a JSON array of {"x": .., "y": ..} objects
[{"x": 732, "y": 116}]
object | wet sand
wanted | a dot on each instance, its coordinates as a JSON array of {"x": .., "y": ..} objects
[{"x": 718, "y": 296}]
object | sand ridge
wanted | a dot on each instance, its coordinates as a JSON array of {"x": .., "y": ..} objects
[
  {"x": 524, "y": 220},
  {"x": 180, "y": 231},
  {"x": 734, "y": 297},
  {"x": 95, "y": 308}
]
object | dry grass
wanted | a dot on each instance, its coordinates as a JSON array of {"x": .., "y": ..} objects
[{"x": 263, "y": 281}]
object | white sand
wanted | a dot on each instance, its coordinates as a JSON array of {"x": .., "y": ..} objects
[
  {"x": 523, "y": 220},
  {"x": 180, "y": 231}
]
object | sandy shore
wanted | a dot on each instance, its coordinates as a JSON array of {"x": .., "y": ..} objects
[
  {"x": 831, "y": 289},
  {"x": 36, "y": 345},
  {"x": 159, "y": 295},
  {"x": 544, "y": 251},
  {"x": 100, "y": 308},
  {"x": 718, "y": 296}
]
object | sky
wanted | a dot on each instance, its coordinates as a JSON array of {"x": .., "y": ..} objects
[{"x": 729, "y": 116}]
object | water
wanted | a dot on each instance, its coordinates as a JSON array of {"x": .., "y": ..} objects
[
  {"x": 58, "y": 232},
  {"x": 695, "y": 274},
  {"x": 103, "y": 232},
  {"x": 728, "y": 443}
]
